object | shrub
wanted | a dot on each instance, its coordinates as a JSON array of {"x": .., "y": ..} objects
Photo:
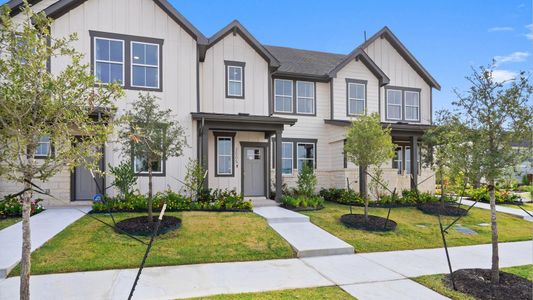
[
  {"x": 12, "y": 207},
  {"x": 194, "y": 180},
  {"x": 331, "y": 194},
  {"x": 482, "y": 195},
  {"x": 123, "y": 177},
  {"x": 302, "y": 201},
  {"x": 307, "y": 181}
]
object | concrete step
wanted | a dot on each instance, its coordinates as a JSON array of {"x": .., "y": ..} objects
[
  {"x": 275, "y": 214},
  {"x": 262, "y": 201},
  {"x": 309, "y": 240}
]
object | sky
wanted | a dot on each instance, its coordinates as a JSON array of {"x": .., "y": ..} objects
[{"x": 448, "y": 37}]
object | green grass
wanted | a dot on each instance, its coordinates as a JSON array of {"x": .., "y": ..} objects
[
  {"x": 410, "y": 236},
  {"x": 331, "y": 292},
  {"x": 204, "y": 237},
  {"x": 8, "y": 222},
  {"x": 435, "y": 283},
  {"x": 526, "y": 206}
]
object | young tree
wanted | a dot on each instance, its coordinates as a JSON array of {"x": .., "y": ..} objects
[
  {"x": 367, "y": 144},
  {"x": 499, "y": 113},
  {"x": 37, "y": 106},
  {"x": 150, "y": 135}
]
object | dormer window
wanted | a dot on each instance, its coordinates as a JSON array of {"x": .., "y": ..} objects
[{"x": 234, "y": 79}]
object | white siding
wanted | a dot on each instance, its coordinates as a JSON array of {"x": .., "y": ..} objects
[{"x": 213, "y": 76}]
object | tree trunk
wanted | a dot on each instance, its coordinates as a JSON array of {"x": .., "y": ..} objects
[
  {"x": 25, "y": 262},
  {"x": 495, "y": 273},
  {"x": 150, "y": 193},
  {"x": 363, "y": 189},
  {"x": 477, "y": 183}
]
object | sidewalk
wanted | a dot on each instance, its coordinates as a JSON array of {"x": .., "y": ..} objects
[
  {"x": 365, "y": 276},
  {"x": 508, "y": 210},
  {"x": 43, "y": 227}
]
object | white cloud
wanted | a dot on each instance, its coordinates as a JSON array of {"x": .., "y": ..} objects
[
  {"x": 529, "y": 35},
  {"x": 500, "y": 29},
  {"x": 503, "y": 75},
  {"x": 517, "y": 56}
]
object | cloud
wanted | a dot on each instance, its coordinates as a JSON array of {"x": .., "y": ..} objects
[
  {"x": 529, "y": 35},
  {"x": 500, "y": 29},
  {"x": 517, "y": 56},
  {"x": 503, "y": 75}
]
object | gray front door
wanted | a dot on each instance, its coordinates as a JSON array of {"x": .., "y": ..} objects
[
  {"x": 253, "y": 175},
  {"x": 85, "y": 186}
]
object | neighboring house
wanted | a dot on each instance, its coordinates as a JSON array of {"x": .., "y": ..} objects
[{"x": 252, "y": 113}]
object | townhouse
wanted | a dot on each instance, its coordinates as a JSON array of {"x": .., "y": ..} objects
[{"x": 253, "y": 114}]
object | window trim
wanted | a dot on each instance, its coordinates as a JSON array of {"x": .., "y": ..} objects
[
  {"x": 313, "y": 113},
  {"x": 294, "y": 96},
  {"x": 127, "y": 39},
  {"x": 230, "y": 135},
  {"x": 161, "y": 173},
  {"x": 276, "y": 95},
  {"x": 363, "y": 83},
  {"x": 132, "y": 64},
  {"x": 405, "y": 106},
  {"x": 291, "y": 158},
  {"x": 227, "y": 65},
  {"x": 387, "y": 117},
  {"x": 123, "y": 63},
  {"x": 403, "y": 90},
  {"x": 294, "y": 150},
  {"x": 312, "y": 159}
]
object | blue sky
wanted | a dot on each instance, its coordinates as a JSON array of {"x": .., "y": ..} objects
[{"x": 446, "y": 36}]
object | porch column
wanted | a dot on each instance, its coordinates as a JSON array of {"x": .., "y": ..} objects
[
  {"x": 278, "y": 165},
  {"x": 204, "y": 156},
  {"x": 414, "y": 162}
]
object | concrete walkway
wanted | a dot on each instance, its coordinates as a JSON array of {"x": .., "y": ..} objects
[
  {"x": 503, "y": 209},
  {"x": 43, "y": 227},
  {"x": 305, "y": 238},
  {"x": 365, "y": 276}
]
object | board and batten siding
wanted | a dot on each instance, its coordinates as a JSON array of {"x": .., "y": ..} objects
[
  {"x": 213, "y": 78},
  {"x": 358, "y": 71},
  {"x": 145, "y": 19},
  {"x": 400, "y": 74}
]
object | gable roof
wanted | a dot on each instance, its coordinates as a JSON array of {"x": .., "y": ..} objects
[
  {"x": 61, "y": 7},
  {"x": 235, "y": 27},
  {"x": 386, "y": 33}
]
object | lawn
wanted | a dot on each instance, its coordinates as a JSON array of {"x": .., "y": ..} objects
[
  {"x": 435, "y": 283},
  {"x": 526, "y": 206},
  {"x": 204, "y": 237},
  {"x": 8, "y": 222},
  {"x": 331, "y": 292},
  {"x": 418, "y": 230}
]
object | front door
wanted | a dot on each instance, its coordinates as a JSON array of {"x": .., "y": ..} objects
[
  {"x": 253, "y": 175},
  {"x": 85, "y": 186}
]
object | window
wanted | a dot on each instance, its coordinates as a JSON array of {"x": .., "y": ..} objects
[
  {"x": 412, "y": 106},
  {"x": 407, "y": 155},
  {"x": 305, "y": 97},
  {"x": 224, "y": 155},
  {"x": 144, "y": 65},
  {"x": 283, "y": 95},
  {"x": 44, "y": 147},
  {"x": 109, "y": 60},
  {"x": 234, "y": 79},
  {"x": 140, "y": 166},
  {"x": 394, "y": 104},
  {"x": 397, "y": 160},
  {"x": 286, "y": 158},
  {"x": 305, "y": 154},
  {"x": 402, "y": 159},
  {"x": 356, "y": 92}
]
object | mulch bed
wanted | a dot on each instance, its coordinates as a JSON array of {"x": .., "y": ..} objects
[
  {"x": 374, "y": 223},
  {"x": 301, "y": 208},
  {"x": 476, "y": 282},
  {"x": 141, "y": 226},
  {"x": 436, "y": 208}
]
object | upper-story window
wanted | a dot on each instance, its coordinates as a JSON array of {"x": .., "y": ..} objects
[
  {"x": 144, "y": 65},
  {"x": 234, "y": 79},
  {"x": 356, "y": 94},
  {"x": 109, "y": 60},
  {"x": 44, "y": 147},
  {"x": 283, "y": 95},
  {"x": 403, "y": 104},
  {"x": 134, "y": 62},
  {"x": 305, "y": 97}
]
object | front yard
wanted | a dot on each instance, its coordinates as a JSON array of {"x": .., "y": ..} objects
[
  {"x": 417, "y": 230},
  {"x": 331, "y": 292},
  {"x": 8, "y": 222},
  {"x": 204, "y": 237}
]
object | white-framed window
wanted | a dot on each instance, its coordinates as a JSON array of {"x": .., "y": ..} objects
[
  {"x": 305, "y": 154},
  {"x": 286, "y": 158},
  {"x": 305, "y": 97},
  {"x": 109, "y": 60},
  {"x": 224, "y": 155},
  {"x": 145, "y": 63},
  {"x": 412, "y": 106},
  {"x": 356, "y": 98},
  {"x": 235, "y": 84},
  {"x": 44, "y": 147},
  {"x": 398, "y": 160},
  {"x": 140, "y": 166},
  {"x": 283, "y": 95},
  {"x": 394, "y": 104}
]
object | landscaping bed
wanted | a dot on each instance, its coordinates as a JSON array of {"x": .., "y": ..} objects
[
  {"x": 417, "y": 230},
  {"x": 374, "y": 223},
  {"x": 204, "y": 237},
  {"x": 447, "y": 209},
  {"x": 141, "y": 226},
  {"x": 302, "y": 203}
]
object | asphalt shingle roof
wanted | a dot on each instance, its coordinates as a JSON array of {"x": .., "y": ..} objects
[{"x": 305, "y": 61}]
